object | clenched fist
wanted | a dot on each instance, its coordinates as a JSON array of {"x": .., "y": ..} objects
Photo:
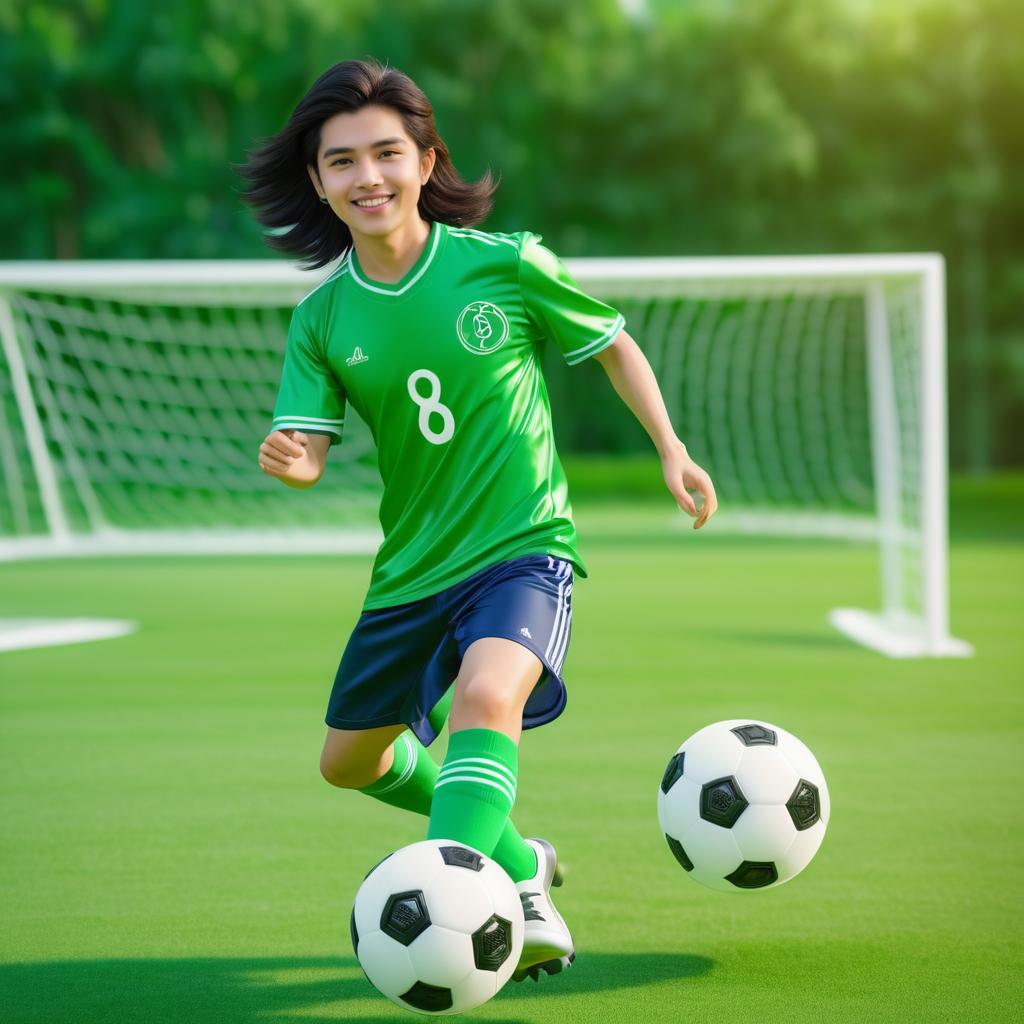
[{"x": 286, "y": 454}]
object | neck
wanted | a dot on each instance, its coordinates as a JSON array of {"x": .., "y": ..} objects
[{"x": 388, "y": 258}]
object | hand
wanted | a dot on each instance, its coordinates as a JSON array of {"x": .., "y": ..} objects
[
  {"x": 280, "y": 450},
  {"x": 681, "y": 472}
]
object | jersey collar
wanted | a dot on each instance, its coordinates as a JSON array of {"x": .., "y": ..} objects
[{"x": 414, "y": 273}]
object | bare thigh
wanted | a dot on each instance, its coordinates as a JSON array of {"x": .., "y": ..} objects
[
  {"x": 495, "y": 680},
  {"x": 353, "y": 758}
]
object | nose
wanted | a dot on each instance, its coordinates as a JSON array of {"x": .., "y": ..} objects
[{"x": 369, "y": 174}]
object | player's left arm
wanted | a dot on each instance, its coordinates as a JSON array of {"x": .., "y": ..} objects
[{"x": 632, "y": 377}]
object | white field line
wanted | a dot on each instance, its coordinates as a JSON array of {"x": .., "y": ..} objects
[{"x": 20, "y": 634}]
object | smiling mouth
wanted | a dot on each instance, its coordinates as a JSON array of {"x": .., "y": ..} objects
[{"x": 375, "y": 205}]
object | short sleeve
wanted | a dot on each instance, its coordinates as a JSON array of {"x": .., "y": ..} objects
[
  {"x": 577, "y": 323},
  {"x": 310, "y": 398}
]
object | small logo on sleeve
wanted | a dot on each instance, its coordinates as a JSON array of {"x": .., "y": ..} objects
[
  {"x": 525, "y": 632},
  {"x": 357, "y": 357}
]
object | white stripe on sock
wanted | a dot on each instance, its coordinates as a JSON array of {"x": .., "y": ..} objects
[
  {"x": 479, "y": 781},
  {"x": 508, "y": 776},
  {"x": 483, "y": 771},
  {"x": 410, "y": 766}
]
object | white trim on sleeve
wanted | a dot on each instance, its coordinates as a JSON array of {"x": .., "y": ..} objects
[
  {"x": 309, "y": 423},
  {"x": 593, "y": 347}
]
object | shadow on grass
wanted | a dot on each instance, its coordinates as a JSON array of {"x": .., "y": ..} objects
[
  {"x": 259, "y": 990},
  {"x": 827, "y": 641}
]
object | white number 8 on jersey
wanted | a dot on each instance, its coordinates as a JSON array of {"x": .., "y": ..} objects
[{"x": 431, "y": 404}]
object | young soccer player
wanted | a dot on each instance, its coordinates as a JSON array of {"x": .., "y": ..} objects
[{"x": 433, "y": 332}]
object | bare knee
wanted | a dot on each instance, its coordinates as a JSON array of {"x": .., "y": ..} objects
[
  {"x": 348, "y": 773},
  {"x": 483, "y": 700}
]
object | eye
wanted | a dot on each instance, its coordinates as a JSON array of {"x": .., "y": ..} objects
[{"x": 345, "y": 159}]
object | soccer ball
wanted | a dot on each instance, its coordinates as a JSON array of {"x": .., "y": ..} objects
[
  {"x": 743, "y": 805},
  {"x": 437, "y": 927}
]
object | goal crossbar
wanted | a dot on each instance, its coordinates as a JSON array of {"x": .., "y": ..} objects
[{"x": 780, "y": 342}]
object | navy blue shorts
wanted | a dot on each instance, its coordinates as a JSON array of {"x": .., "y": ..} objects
[{"x": 400, "y": 661}]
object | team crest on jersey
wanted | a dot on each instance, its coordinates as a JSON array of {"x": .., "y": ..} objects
[{"x": 482, "y": 328}]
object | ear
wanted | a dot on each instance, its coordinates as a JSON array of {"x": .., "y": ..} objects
[
  {"x": 427, "y": 162},
  {"x": 314, "y": 176}
]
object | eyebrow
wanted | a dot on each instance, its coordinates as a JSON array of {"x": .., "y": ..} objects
[{"x": 348, "y": 149}]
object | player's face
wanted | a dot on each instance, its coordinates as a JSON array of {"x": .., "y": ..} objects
[{"x": 367, "y": 155}]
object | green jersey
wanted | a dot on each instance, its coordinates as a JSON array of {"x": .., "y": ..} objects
[{"x": 444, "y": 366}]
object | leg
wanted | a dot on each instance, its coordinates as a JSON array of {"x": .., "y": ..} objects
[
  {"x": 493, "y": 685},
  {"x": 490, "y": 692},
  {"x": 383, "y": 660},
  {"x": 492, "y": 688},
  {"x": 401, "y": 773},
  {"x": 354, "y": 758},
  {"x": 476, "y": 787}
]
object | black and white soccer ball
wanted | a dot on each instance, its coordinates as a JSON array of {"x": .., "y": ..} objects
[
  {"x": 437, "y": 927},
  {"x": 743, "y": 805}
]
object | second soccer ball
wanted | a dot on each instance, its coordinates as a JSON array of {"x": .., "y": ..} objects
[{"x": 743, "y": 805}]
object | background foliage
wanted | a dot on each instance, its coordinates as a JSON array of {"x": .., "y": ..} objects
[{"x": 697, "y": 127}]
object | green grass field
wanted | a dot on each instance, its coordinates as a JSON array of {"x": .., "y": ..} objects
[{"x": 170, "y": 853}]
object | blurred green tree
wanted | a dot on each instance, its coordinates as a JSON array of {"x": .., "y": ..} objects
[{"x": 620, "y": 128}]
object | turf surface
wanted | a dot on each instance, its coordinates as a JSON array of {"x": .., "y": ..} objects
[{"x": 170, "y": 853}]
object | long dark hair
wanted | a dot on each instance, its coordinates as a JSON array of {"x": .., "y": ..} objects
[{"x": 278, "y": 185}]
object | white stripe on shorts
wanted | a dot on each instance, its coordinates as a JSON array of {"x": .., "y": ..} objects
[
  {"x": 559, "y": 655},
  {"x": 562, "y": 615}
]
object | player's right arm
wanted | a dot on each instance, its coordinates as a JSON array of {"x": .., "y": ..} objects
[{"x": 294, "y": 457}]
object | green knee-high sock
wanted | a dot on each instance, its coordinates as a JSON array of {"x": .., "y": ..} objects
[
  {"x": 475, "y": 789},
  {"x": 513, "y": 854},
  {"x": 409, "y": 783}
]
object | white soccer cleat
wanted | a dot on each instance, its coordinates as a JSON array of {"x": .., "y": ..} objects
[{"x": 547, "y": 944}]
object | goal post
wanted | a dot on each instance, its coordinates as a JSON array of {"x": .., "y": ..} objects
[
  {"x": 133, "y": 396},
  {"x": 866, "y": 329}
]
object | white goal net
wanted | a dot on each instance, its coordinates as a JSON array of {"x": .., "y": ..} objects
[{"x": 133, "y": 397}]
